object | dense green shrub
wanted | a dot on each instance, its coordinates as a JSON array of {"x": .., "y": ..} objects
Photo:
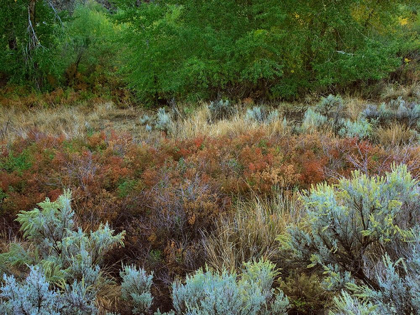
[
  {"x": 262, "y": 49},
  {"x": 89, "y": 49},
  {"x": 198, "y": 49},
  {"x": 48, "y": 44}
]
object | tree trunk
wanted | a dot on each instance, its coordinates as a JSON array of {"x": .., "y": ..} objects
[
  {"x": 33, "y": 39},
  {"x": 33, "y": 42},
  {"x": 31, "y": 10}
]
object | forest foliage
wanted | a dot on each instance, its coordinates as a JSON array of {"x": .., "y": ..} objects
[{"x": 182, "y": 49}]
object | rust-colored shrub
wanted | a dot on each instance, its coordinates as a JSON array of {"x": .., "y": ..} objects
[{"x": 165, "y": 194}]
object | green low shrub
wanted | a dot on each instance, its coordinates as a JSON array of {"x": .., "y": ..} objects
[
  {"x": 63, "y": 261},
  {"x": 364, "y": 233},
  {"x": 313, "y": 120},
  {"x": 261, "y": 114},
  {"x": 207, "y": 292},
  {"x": 135, "y": 288},
  {"x": 361, "y": 128},
  {"x": 161, "y": 121},
  {"x": 396, "y": 110},
  {"x": 328, "y": 112}
]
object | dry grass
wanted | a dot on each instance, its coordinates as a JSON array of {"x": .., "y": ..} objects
[
  {"x": 85, "y": 119},
  {"x": 79, "y": 121},
  {"x": 354, "y": 106},
  {"x": 395, "y": 135},
  {"x": 72, "y": 122},
  {"x": 251, "y": 233},
  {"x": 109, "y": 299},
  {"x": 393, "y": 91},
  {"x": 198, "y": 125}
]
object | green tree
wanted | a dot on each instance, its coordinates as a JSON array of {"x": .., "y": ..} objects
[
  {"x": 185, "y": 48},
  {"x": 88, "y": 47},
  {"x": 201, "y": 49},
  {"x": 27, "y": 39}
]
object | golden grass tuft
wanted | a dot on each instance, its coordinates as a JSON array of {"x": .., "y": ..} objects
[
  {"x": 198, "y": 124},
  {"x": 70, "y": 121},
  {"x": 354, "y": 106},
  {"x": 251, "y": 233},
  {"x": 393, "y": 91},
  {"x": 109, "y": 299},
  {"x": 395, "y": 135}
]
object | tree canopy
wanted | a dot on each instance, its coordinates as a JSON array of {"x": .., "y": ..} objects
[{"x": 196, "y": 49}]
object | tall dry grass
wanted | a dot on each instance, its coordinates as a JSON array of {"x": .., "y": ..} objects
[
  {"x": 251, "y": 233},
  {"x": 393, "y": 91},
  {"x": 86, "y": 119},
  {"x": 72, "y": 122},
  {"x": 198, "y": 124},
  {"x": 395, "y": 135},
  {"x": 80, "y": 121},
  {"x": 353, "y": 107},
  {"x": 109, "y": 300}
]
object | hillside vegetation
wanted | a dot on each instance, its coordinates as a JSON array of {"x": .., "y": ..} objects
[{"x": 222, "y": 157}]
